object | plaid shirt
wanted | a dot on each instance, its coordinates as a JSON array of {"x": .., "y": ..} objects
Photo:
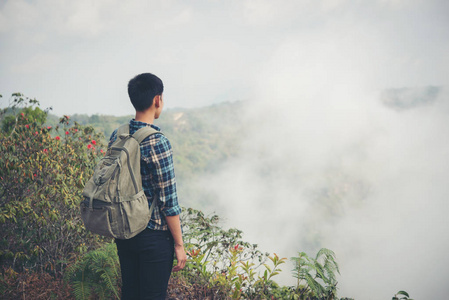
[{"x": 158, "y": 175}]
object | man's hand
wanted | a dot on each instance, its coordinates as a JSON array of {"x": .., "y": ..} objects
[
  {"x": 175, "y": 228},
  {"x": 181, "y": 257}
]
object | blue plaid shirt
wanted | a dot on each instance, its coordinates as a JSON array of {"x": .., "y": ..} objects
[{"x": 158, "y": 175}]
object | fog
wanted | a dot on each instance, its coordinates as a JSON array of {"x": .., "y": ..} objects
[{"x": 331, "y": 159}]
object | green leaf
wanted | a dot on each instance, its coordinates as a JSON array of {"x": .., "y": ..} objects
[{"x": 402, "y": 293}]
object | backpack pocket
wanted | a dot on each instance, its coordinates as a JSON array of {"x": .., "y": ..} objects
[
  {"x": 98, "y": 219},
  {"x": 136, "y": 213},
  {"x": 105, "y": 170}
]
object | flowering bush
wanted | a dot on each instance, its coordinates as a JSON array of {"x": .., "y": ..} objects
[{"x": 41, "y": 182}]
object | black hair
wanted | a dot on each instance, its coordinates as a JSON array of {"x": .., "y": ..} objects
[{"x": 143, "y": 88}]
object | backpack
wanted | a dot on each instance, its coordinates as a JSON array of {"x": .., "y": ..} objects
[{"x": 114, "y": 202}]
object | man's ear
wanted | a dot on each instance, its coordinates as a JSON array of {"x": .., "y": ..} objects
[{"x": 157, "y": 100}]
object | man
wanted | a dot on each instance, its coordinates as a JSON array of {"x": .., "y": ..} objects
[{"x": 146, "y": 260}]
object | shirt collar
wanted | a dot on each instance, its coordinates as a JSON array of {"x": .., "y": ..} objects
[{"x": 138, "y": 124}]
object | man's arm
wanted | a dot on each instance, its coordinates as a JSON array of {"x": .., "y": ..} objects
[
  {"x": 175, "y": 228},
  {"x": 163, "y": 180}
]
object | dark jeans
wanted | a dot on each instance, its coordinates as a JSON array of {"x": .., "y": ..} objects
[{"x": 146, "y": 261}]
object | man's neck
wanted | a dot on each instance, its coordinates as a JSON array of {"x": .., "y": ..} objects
[{"x": 145, "y": 116}]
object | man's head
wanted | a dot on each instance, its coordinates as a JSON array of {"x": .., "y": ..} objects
[{"x": 142, "y": 89}]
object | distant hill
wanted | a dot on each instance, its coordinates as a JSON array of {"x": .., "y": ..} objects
[{"x": 401, "y": 99}]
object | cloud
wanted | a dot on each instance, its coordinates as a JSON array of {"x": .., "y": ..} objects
[{"x": 37, "y": 63}]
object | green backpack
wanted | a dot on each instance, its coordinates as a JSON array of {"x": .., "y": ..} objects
[{"x": 114, "y": 202}]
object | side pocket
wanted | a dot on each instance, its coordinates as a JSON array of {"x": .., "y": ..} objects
[
  {"x": 136, "y": 215},
  {"x": 97, "y": 220}
]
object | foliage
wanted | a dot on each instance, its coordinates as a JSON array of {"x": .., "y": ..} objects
[
  {"x": 96, "y": 275},
  {"x": 19, "y": 103},
  {"x": 32, "y": 285},
  {"x": 265, "y": 286},
  {"x": 101, "y": 123},
  {"x": 203, "y": 235},
  {"x": 41, "y": 179},
  {"x": 316, "y": 276},
  {"x": 401, "y": 293},
  {"x": 221, "y": 266}
]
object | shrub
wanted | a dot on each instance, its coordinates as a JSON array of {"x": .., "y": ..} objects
[{"x": 41, "y": 179}]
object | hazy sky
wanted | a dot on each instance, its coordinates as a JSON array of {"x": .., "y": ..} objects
[
  {"x": 312, "y": 73},
  {"x": 77, "y": 56}
]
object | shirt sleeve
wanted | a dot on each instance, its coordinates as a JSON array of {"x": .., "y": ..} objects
[{"x": 162, "y": 176}]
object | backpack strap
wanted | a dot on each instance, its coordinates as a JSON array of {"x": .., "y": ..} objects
[{"x": 143, "y": 132}]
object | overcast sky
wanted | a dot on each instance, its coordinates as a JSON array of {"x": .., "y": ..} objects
[
  {"x": 77, "y": 56},
  {"x": 313, "y": 74}
]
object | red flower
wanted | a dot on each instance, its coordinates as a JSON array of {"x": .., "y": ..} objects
[
  {"x": 57, "y": 138},
  {"x": 76, "y": 130},
  {"x": 35, "y": 175},
  {"x": 27, "y": 126},
  {"x": 36, "y": 133},
  {"x": 94, "y": 142},
  {"x": 66, "y": 132},
  {"x": 194, "y": 252},
  {"x": 45, "y": 150},
  {"x": 48, "y": 127},
  {"x": 101, "y": 150},
  {"x": 89, "y": 146}
]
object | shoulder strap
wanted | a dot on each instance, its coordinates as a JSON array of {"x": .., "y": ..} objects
[{"x": 143, "y": 132}]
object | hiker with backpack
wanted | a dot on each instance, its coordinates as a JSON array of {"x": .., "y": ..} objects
[{"x": 117, "y": 199}]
